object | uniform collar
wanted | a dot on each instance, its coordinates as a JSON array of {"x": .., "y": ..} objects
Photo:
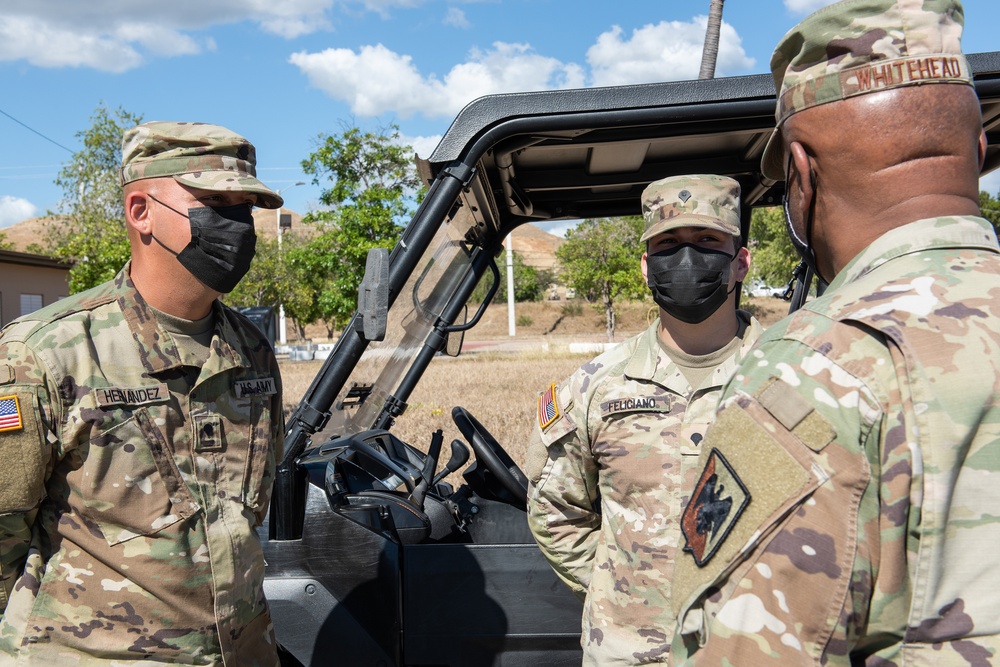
[
  {"x": 157, "y": 349},
  {"x": 651, "y": 364},
  {"x": 964, "y": 231}
]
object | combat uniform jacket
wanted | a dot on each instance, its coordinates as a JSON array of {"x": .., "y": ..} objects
[
  {"x": 130, "y": 490},
  {"x": 608, "y": 486},
  {"x": 847, "y": 512}
]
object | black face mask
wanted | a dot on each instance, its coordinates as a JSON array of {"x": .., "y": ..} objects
[
  {"x": 689, "y": 282},
  {"x": 223, "y": 242}
]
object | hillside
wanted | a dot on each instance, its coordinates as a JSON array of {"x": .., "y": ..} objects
[
  {"x": 535, "y": 246},
  {"x": 35, "y": 230},
  {"x": 26, "y": 232}
]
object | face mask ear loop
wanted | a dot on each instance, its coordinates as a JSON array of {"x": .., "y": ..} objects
[
  {"x": 809, "y": 224},
  {"x": 163, "y": 245},
  {"x": 153, "y": 236}
]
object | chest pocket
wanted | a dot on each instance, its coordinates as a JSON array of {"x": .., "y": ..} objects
[
  {"x": 129, "y": 482},
  {"x": 635, "y": 443}
]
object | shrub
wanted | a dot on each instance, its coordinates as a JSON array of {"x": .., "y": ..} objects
[{"x": 572, "y": 310}]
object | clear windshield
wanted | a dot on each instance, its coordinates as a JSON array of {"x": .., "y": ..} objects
[{"x": 412, "y": 316}]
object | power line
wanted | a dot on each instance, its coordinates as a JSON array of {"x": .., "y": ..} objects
[{"x": 31, "y": 129}]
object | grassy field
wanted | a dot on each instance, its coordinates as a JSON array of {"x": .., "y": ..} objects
[{"x": 501, "y": 389}]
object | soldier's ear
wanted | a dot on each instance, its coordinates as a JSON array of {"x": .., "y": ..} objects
[
  {"x": 137, "y": 211},
  {"x": 803, "y": 165},
  {"x": 742, "y": 264},
  {"x": 983, "y": 145}
]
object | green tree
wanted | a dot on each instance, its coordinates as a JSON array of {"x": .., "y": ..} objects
[
  {"x": 529, "y": 282},
  {"x": 91, "y": 228},
  {"x": 990, "y": 208},
  {"x": 773, "y": 257},
  {"x": 259, "y": 286},
  {"x": 4, "y": 243},
  {"x": 600, "y": 260},
  {"x": 371, "y": 181}
]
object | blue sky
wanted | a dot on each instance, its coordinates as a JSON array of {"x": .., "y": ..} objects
[{"x": 283, "y": 72}]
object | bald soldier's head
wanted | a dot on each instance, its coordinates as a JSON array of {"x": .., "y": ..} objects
[{"x": 878, "y": 123}]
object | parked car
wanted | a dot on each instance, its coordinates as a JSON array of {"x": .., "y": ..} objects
[
  {"x": 761, "y": 289},
  {"x": 371, "y": 558}
]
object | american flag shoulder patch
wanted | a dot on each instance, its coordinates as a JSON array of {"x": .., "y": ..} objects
[
  {"x": 548, "y": 408},
  {"x": 10, "y": 414}
]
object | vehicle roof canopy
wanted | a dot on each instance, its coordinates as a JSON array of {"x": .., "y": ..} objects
[{"x": 589, "y": 153}]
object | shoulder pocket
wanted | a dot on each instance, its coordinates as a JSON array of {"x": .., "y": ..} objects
[
  {"x": 23, "y": 449},
  {"x": 751, "y": 477}
]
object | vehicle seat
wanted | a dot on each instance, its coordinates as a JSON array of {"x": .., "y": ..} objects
[{"x": 390, "y": 514}]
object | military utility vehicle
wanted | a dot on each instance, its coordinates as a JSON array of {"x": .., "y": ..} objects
[{"x": 372, "y": 559}]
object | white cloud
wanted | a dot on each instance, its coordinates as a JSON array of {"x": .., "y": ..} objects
[
  {"x": 118, "y": 35},
  {"x": 557, "y": 227},
  {"x": 14, "y": 210},
  {"x": 667, "y": 51},
  {"x": 382, "y": 7},
  {"x": 422, "y": 146},
  {"x": 455, "y": 17},
  {"x": 375, "y": 79},
  {"x": 806, "y": 6},
  {"x": 44, "y": 45}
]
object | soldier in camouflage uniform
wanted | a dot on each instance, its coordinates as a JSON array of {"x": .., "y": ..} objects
[
  {"x": 140, "y": 427},
  {"x": 846, "y": 509},
  {"x": 614, "y": 447}
]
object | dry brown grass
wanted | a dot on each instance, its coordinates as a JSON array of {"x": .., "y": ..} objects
[{"x": 500, "y": 388}]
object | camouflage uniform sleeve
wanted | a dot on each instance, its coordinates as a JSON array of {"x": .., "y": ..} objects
[
  {"x": 27, "y": 453},
  {"x": 781, "y": 536},
  {"x": 563, "y": 493}
]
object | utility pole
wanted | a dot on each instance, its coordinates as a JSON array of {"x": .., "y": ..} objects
[
  {"x": 282, "y": 332},
  {"x": 510, "y": 288}
]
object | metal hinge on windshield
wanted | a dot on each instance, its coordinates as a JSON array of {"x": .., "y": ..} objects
[{"x": 356, "y": 395}]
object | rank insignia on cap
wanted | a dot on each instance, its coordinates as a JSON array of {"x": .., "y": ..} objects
[
  {"x": 548, "y": 409},
  {"x": 718, "y": 500},
  {"x": 10, "y": 414}
]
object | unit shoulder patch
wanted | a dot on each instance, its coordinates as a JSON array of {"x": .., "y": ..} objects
[{"x": 719, "y": 498}]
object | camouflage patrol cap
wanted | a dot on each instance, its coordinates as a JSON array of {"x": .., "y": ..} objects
[
  {"x": 198, "y": 155},
  {"x": 700, "y": 200},
  {"x": 856, "y": 47}
]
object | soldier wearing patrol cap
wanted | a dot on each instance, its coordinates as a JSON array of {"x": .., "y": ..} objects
[
  {"x": 140, "y": 425},
  {"x": 614, "y": 445},
  {"x": 845, "y": 509}
]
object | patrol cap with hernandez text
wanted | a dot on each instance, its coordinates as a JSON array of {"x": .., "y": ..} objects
[
  {"x": 198, "y": 155},
  {"x": 699, "y": 200},
  {"x": 855, "y": 47}
]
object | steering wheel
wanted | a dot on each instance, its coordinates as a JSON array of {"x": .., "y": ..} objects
[{"x": 492, "y": 455}]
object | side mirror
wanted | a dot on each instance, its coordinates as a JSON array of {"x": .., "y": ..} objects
[{"x": 373, "y": 295}]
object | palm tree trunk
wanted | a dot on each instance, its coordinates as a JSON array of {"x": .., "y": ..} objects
[{"x": 710, "y": 52}]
